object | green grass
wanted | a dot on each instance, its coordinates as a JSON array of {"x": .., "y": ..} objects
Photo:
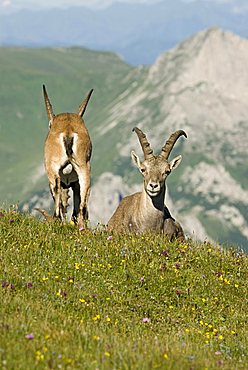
[{"x": 85, "y": 300}]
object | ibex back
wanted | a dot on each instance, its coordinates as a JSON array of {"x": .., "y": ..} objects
[
  {"x": 145, "y": 211},
  {"x": 67, "y": 161}
]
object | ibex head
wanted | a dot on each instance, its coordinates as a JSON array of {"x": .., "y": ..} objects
[
  {"x": 49, "y": 107},
  {"x": 156, "y": 168}
]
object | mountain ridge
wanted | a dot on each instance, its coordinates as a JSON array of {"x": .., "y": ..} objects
[{"x": 138, "y": 32}]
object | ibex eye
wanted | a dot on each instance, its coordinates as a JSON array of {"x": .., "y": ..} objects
[{"x": 142, "y": 170}]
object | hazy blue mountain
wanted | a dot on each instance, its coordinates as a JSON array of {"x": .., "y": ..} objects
[{"x": 139, "y": 33}]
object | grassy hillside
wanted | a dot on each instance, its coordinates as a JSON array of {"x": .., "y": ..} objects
[
  {"x": 68, "y": 74},
  {"x": 90, "y": 300}
]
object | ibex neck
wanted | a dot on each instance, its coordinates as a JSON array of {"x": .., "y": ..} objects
[
  {"x": 158, "y": 202},
  {"x": 154, "y": 202},
  {"x": 151, "y": 212}
]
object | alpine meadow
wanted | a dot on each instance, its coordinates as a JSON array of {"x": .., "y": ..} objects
[
  {"x": 93, "y": 300},
  {"x": 87, "y": 298}
]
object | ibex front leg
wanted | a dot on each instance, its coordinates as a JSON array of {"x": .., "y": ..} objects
[{"x": 173, "y": 230}]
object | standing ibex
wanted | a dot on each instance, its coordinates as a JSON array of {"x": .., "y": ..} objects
[
  {"x": 145, "y": 211},
  {"x": 67, "y": 161}
]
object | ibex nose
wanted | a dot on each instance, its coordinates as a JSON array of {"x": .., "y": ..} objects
[{"x": 153, "y": 185}]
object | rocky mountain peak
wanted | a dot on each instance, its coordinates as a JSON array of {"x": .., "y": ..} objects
[{"x": 215, "y": 57}]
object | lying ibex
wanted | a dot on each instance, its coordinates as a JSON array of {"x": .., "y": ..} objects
[
  {"x": 145, "y": 211},
  {"x": 67, "y": 161}
]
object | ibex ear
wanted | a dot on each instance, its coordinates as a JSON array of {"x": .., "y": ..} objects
[
  {"x": 175, "y": 162},
  {"x": 135, "y": 159}
]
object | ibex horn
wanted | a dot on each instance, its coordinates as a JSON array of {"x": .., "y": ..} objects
[
  {"x": 148, "y": 152},
  {"x": 167, "y": 148},
  {"x": 84, "y": 104},
  {"x": 47, "y": 216},
  {"x": 49, "y": 107}
]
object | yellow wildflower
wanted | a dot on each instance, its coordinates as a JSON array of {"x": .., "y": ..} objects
[
  {"x": 39, "y": 356},
  {"x": 226, "y": 281},
  {"x": 77, "y": 266}
]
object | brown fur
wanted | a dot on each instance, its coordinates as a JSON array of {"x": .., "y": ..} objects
[
  {"x": 145, "y": 211},
  {"x": 67, "y": 161}
]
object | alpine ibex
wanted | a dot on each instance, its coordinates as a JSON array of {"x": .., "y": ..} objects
[
  {"x": 67, "y": 161},
  {"x": 145, "y": 211}
]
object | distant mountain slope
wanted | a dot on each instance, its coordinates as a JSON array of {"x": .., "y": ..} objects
[
  {"x": 68, "y": 74},
  {"x": 199, "y": 86},
  {"x": 138, "y": 32}
]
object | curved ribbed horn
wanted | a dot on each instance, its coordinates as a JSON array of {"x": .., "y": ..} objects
[
  {"x": 49, "y": 107},
  {"x": 45, "y": 214},
  {"x": 148, "y": 152},
  {"x": 83, "y": 106},
  {"x": 167, "y": 148}
]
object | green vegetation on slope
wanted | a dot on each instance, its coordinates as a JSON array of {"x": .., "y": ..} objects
[
  {"x": 68, "y": 74},
  {"x": 89, "y": 300}
]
